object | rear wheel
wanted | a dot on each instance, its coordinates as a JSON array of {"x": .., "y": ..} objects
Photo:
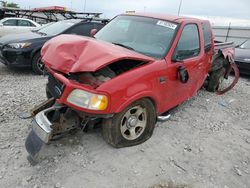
[
  {"x": 215, "y": 79},
  {"x": 37, "y": 64},
  {"x": 132, "y": 126},
  {"x": 217, "y": 75}
]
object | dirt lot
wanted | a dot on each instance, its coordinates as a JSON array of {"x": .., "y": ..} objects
[{"x": 206, "y": 143}]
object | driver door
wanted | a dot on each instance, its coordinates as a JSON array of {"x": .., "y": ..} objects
[{"x": 187, "y": 54}]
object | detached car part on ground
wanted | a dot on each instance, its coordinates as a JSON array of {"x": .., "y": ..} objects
[
  {"x": 23, "y": 50},
  {"x": 136, "y": 69}
]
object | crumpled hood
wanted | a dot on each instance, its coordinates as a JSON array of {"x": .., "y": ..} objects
[{"x": 72, "y": 53}]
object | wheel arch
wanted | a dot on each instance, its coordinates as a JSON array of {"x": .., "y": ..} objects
[
  {"x": 136, "y": 98},
  {"x": 218, "y": 64},
  {"x": 34, "y": 52}
]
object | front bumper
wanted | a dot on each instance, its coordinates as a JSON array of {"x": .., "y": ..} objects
[
  {"x": 41, "y": 133},
  {"x": 42, "y": 126},
  {"x": 15, "y": 57}
]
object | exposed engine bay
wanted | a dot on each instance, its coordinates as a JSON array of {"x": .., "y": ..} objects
[{"x": 95, "y": 79}]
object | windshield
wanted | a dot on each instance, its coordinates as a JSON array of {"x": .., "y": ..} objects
[
  {"x": 149, "y": 36},
  {"x": 246, "y": 45},
  {"x": 2, "y": 20},
  {"x": 56, "y": 28}
]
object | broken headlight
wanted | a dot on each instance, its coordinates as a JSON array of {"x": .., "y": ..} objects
[{"x": 88, "y": 100}]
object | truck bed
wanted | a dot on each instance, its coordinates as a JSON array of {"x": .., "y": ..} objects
[{"x": 225, "y": 48}]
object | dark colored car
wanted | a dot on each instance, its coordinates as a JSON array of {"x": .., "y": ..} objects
[
  {"x": 23, "y": 50},
  {"x": 242, "y": 57}
]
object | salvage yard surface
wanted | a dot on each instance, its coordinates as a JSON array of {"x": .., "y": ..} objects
[{"x": 206, "y": 143}]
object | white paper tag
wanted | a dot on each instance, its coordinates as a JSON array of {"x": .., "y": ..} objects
[{"x": 166, "y": 24}]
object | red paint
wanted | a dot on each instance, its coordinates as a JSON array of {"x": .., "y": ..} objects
[
  {"x": 70, "y": 54},
  {"x": 58, "y": 8},
  {"x": 236, "y": 71}
]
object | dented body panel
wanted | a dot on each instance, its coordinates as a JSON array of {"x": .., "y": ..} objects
[
  {"x": 71, "y": 54},
  {"x": 92, "y": 80},
  {"x": 226, "y": 49}
]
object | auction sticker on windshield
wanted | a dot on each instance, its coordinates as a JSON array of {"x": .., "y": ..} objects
[{"x": 166, "y": 24}]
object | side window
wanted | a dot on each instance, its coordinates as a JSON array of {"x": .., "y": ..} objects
[
  {"x": 207, "y": 35},
  {"x": 11, "y": 22},
  {"x": 81, "y": 29},
  {"x": 25, "y": 23},
  {"x": 189, "y": 43}
]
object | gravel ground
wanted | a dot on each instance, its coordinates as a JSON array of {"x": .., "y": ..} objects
[{"x": 206, "y": 143}]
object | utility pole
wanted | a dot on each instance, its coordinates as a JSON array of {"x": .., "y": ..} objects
[
  {"x": 179, "y": 10},
  {"x": 84, "y": 8}
]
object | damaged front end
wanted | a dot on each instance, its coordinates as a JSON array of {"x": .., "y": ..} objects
[
  {"x": 68, "y": 106},
  {"x": 96, "y": 78},
  {"x": 74, "y": 76},
  {"x": 47, "y": 125}
]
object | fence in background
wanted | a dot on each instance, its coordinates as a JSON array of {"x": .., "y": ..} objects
[{"x": 231, "y": 33}]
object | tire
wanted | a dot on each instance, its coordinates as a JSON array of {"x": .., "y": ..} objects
[
  {"x": 37, "y": 65},
  {"x": 117, "y": 131},
  {"x": 215, "y": 79},
  {"x": 48, "y": 94}
]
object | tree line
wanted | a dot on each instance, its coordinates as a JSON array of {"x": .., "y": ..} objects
[{"x": 7, "y": 4}]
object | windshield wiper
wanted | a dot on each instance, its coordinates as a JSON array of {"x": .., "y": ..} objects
[{"x": 122, "y": 45}]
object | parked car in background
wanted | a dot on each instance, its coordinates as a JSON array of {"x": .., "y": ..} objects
[
  {"x": 23, "y": 50},
  {"x": 242, "y": 57},
  {"x": 16, "y": 25}
]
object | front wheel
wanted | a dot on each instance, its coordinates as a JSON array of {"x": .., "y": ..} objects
[
  {"x": 37, "y": 64},
  {"x": 132, "y": 126}
]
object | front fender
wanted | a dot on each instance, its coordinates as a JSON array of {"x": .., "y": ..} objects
[
  {"x": 133, "y": 85},
  {"x": 136, "y": 97},
  {"x": 34, "y": 51}
]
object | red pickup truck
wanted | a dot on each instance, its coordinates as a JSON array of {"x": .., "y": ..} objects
[{"x": 126, "y": 77}]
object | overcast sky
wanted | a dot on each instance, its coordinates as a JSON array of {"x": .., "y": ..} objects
[{"x": 225, "y": 8}]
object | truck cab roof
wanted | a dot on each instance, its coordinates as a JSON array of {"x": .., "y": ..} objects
[{"x": 172, "y": 18}]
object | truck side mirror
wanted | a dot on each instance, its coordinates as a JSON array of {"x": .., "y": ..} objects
[
  {"x": 93, "y": 32},
  {"x": 183, "y": 74},
  {"x": 176, "y": 57}
]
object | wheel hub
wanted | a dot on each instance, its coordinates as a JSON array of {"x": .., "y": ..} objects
[{"x": 132, "y": 121}]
